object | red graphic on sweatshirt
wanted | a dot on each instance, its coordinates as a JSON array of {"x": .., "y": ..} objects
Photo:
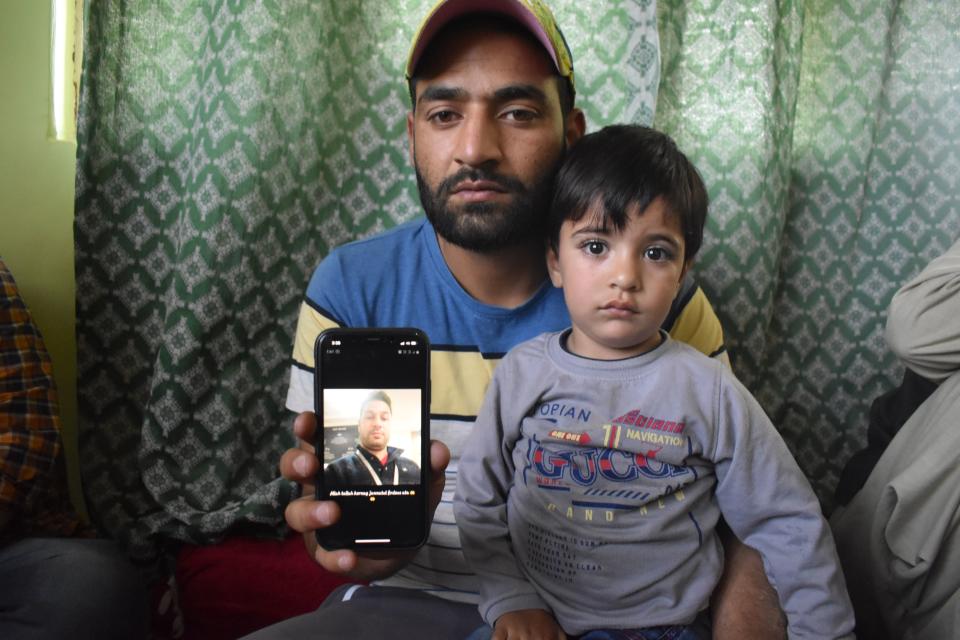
[{"x": 566, "y": 436}]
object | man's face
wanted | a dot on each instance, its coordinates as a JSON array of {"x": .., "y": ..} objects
[
  {"x": 374, "y": 428},
  {"x": 487, "y": 135}
]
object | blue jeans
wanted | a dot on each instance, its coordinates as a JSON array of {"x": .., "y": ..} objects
[{"x": 699, "y": 629}]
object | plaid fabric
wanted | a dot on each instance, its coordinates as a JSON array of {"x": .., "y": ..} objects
[{"x": 33, "y": 491}]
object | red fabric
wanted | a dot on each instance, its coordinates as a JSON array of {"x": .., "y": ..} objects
[{"x": 244, "y": 584}]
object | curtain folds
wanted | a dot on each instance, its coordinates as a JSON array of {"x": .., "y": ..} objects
[{"x": 827, "y": 135}]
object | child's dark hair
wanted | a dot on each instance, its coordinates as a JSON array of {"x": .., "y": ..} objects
[{"x": 623, "y": 165}]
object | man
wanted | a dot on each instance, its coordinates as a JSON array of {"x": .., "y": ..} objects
[
  {"x": 56, "y": 580},
  {"x": 373, "y": 462},
  {"x": 492, "y": 88},
  {"x": 898, "y": 538}
]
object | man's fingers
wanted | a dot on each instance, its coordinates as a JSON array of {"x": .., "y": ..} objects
[
  {"x": 305, "y": 426},
  {"x": 299, "y": 466},
  {"x": 306, "y": 514},
  {"x": 341, "y": 561},
  {"x": 439, "y": 457}
]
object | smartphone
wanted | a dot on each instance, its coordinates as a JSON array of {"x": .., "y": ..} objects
[{"x": 372, "y": 395}]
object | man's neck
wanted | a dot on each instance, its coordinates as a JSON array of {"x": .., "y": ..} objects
[{"x": 504, "y": 278}]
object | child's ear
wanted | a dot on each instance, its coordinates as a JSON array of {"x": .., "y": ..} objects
[{"x": 553, "y": 267}]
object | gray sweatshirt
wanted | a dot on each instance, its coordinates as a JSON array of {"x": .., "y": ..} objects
[{"x": 592, "y": 489}]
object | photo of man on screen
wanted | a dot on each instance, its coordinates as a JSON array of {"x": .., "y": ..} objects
[{"x": 373, "y": 462}]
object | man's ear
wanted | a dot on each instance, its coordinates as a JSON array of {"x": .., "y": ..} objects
[
  {"x": 575, "y": 126},
  {"x": 553, "y": 267},
  {"x": 410, "y": 136}
]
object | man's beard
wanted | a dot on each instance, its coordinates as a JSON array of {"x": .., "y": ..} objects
[{"x": 487, "y": 226}]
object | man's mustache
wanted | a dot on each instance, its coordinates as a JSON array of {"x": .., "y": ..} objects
[{"x": 475, "y": 175}]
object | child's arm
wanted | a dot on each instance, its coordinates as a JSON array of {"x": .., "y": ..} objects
[
  {"x": 484, "y": 478},
  {"x": 769, "y": 504}
]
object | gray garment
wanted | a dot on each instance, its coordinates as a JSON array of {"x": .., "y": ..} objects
[
  {"x": 592, "y": 489},
  {"x": 899, "y": 538},
  {"x": 70, "y": 588},
  {"x": 923, "y": 322},
  {"x": 400, "y": 613}
]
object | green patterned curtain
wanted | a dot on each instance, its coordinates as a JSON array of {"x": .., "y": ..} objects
[
  {"x": 223, "y": 149},
  {"x": 828, "y": 133}
]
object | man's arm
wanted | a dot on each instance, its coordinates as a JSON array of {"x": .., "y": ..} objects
[
  {"x": 922, "y": 324},
  {"x": 744, "y": 605}
]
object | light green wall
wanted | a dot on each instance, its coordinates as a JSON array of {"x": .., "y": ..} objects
[{"x": 36, "y": 199}]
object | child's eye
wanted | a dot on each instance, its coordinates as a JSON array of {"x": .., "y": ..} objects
[
  {"x": 594, "y": 247},
  {"x": 658, "y": 254}
]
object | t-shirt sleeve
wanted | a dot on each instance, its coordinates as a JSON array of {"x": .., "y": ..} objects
[
  {"x": 696, "y": 323},
  {"x": 322, "y": 308}
]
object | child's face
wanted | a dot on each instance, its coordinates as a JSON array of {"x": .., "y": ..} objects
[{"x": 618, "y": 286}]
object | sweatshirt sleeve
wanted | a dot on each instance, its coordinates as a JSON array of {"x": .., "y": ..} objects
[
  {"x": 484, "y": 478},
  {"x": 922, "y": 325},
  {"x": 770, "y": 506}
]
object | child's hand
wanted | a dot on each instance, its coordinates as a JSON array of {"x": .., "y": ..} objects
[{"x": 527, "y": 624}]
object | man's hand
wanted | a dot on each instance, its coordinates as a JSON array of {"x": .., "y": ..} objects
[
  {"x": 307, "y": 514},
  {"x": 744, "y": 605},
  {"x": 527, "y": 624}
]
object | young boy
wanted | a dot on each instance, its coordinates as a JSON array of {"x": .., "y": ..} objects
[{"x": 604, "y": 455}]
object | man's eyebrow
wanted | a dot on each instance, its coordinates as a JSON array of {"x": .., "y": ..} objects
[
  {"x": 441, "y": 93},
  {"x": 438, "y": 93},
  {"x": 520, "y": 92}
]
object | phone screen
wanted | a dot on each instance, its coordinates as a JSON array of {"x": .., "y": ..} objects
[{"x": 372, "y": 393}]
